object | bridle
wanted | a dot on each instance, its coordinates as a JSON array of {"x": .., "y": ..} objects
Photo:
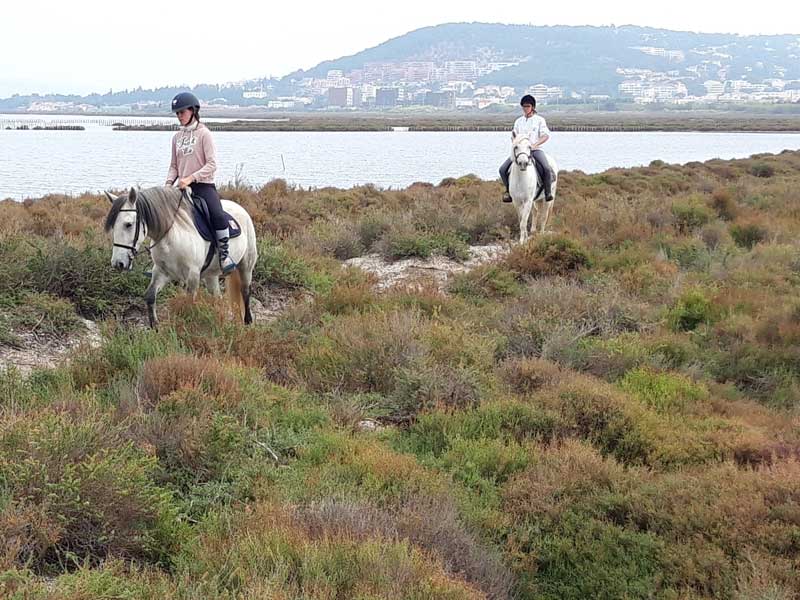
[
  {"x": 133, "y": 247},
  {"x": 517, "y": 154}
]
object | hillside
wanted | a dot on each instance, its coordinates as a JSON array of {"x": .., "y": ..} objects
[
  {"x": 578, "y": 61},
  {"x": 584, "y": 58},
  {"x": 611, "y": 411}
]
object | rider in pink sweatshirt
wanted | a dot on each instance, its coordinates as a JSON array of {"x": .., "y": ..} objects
[{"x": 194, "y": 164}]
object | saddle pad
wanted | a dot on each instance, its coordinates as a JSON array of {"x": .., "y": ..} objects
[{"x": 204, "y": 227}]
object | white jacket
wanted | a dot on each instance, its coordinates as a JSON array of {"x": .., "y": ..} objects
[{"x": 534, "y": 127}]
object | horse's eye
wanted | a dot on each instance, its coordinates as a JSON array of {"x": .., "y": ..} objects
[{"x": 128, "y": 225}]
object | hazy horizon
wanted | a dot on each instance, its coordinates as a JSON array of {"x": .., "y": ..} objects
[{"x": 154, "y": 48}]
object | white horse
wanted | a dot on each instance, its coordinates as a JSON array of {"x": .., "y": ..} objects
[
  {"x": 178, "y": 251},
  {"x": 523, "y": 184}
]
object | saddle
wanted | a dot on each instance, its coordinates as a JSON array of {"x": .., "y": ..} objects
[{"x": 202, "y": 221}]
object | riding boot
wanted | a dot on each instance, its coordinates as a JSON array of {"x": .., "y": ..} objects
[
  {"x": 545, "y": 174},
  {"x": 504, "y": 177},
  {"x": 226, "y": 263},
  {"x": 547, "y": 183}
]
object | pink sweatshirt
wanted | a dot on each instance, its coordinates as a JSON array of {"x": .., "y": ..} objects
[{"x": 193, "y": 153}]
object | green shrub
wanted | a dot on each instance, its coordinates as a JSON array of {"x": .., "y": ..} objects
[
  {"x": 723, "y": 202},
  {"x": 121, "y": 355},
  {"x": 42, "y": 313},
  {"x": 414, "y": 362},
  {"x": 689, "y": 254},
  {"x": 271, "y": 549},
  {"x": 690, "y": 215},
  {"x": 396, "y": 245},
  {"x": 278, "y": 265},
  {"x": 604, "y": 417},
  {"x": 113, "y": 580},
  {"x": 588, "y": 558},
  {"x": 372, "y": 228},
  {"x": 547, "y": 256},
  {"x": 434, "y": 432},
  {"x": 691, "y": 310},
  {"x": 747, "y": 235},
  {"x": 667, "y": 393},
  {"x": 337, "y": 238},
  {"x": 762, "y": 170},
  {"x": 474, "y": 461},
  {"x": 484, "y": 282},
  {"x": 418, "y": 388},
  {"x": 409, "y": 243},
  {"x": 609, "y": 358},
  {"x": 91, "y": 495},
  {"x": 85, "y": 277}
]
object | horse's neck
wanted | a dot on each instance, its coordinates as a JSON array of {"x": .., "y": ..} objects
[{"x": 180, "y": 248}]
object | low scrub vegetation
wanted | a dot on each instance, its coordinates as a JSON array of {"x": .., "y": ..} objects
[{"x": 609, "y": 411}]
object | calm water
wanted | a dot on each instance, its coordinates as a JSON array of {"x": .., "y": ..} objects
[{"x": 33, "y": 163}]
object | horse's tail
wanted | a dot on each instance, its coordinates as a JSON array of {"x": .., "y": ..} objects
[{"x": 233, "y": 287}]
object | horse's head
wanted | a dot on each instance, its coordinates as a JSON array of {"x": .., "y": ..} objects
[
  {"x": 127, "y": 229},
  {"x": 521, "y": 150}
]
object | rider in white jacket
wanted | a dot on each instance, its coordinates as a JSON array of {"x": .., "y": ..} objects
[{"x": 535, "y": 127}]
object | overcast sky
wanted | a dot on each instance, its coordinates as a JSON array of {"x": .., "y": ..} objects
[{"x": 85, "y": 46}]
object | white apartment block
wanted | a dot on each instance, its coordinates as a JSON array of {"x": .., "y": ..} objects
[{"x": 461, "y": 69}]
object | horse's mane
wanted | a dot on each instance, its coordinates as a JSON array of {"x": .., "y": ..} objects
[{"x": 157, "y": 208}]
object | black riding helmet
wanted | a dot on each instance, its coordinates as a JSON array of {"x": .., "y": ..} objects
[
  {"x": 528, "y": 99},
  {"x": 185, "y": 100}
]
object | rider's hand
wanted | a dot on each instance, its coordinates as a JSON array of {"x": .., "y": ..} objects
[{"x": 186, "y": 181}]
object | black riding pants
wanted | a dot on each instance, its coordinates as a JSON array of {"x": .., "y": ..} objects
[{"x": 209, "y": 192}]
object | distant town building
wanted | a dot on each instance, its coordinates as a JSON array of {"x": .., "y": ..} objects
[
  {"x": 461, "y": 69},
  {"x": 255, "y": 94},
  {"x": 544, "y": 92},
  {"x": 340, "y": 96},
  {"x": 386, "y": 97},
  {"x": 670, "y": 55},
  {"x": 714, "y": 88},
  {"x": 443, "y": 99}
]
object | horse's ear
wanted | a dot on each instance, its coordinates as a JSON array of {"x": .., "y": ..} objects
[
  {"x": 132, "y": 196},
  {"x": 110, "y": 197}
]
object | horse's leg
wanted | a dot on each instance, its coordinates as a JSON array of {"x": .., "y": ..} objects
[
  {"x": 157, "y": 281},
  {"x": 193, "y": 283},
  {"x": 247, "y": 278},
  {"x": 212, "y": 285},
  {"x": 548, "y": 206},
  {"x": 524, "y": 218}
]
